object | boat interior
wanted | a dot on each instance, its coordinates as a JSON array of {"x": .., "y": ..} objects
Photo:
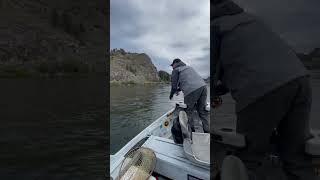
[{"x": 172, "y": 159}]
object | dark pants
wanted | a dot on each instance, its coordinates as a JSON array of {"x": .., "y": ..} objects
[
  {"x": 197, "y": 100},
  {"x": 287, "y": 109}
]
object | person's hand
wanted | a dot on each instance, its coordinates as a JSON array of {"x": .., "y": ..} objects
[
  {"x": 177, "y": 93},
  {"x": 170, "y": 97},
  {"x": 217, "y": 102}
]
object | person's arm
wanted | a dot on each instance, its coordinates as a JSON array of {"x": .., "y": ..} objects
[
  {"x": 174, "y": 82},
  {"x": 216, "y": 69},
  {"x": 219, "y": 89}
]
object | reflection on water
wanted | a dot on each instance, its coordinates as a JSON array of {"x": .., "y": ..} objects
[
  {"x": 133, "y": 108},
  {"x": 52, "y": 129}
]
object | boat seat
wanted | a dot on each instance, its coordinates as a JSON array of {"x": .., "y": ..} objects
[
  {"x": 230, "y": 137},
  {"x": 172, "y": 161},
  {"x": 312, "y": 146},
  {"x": 197, "y": 150}
]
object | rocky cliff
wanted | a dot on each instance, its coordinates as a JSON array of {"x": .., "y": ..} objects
[
  {"x": 126, "y": 67},
  {"x": 53, "y": 36}
]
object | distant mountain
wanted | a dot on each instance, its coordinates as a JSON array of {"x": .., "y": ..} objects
[
  {"x": 311, "y": 60},
  {"x": 127, "y": 67}
]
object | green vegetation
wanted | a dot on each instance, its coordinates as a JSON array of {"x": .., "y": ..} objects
[
  {"x": 130, "y": 83},
  {"x": 164, "y": 76}
]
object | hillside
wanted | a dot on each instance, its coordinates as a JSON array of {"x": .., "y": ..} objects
[
  {"x": 126, "y": 67},
  {"x": 41, "y": 37}
]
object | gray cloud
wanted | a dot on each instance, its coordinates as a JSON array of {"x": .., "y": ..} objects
[
  {"x": 164, "y": 30},
  {"x": 296, "y": 21}
]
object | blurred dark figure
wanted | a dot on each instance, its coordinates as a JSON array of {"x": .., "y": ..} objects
[{"x": 269, "y": 84}]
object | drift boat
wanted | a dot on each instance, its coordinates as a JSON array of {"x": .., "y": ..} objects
[
  {"x": 176, "y": 161},
  {"x": 173, "y": 161}
]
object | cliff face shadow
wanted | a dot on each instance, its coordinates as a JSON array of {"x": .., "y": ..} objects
[{"x": 53, "y": 38}]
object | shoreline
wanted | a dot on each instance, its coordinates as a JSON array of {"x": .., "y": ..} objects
[{"x": 129, "y": 83}]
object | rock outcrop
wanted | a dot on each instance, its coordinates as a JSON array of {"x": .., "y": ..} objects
[
  {"x": 126, "y": 67},
  {"x": 53, "y": 36}
]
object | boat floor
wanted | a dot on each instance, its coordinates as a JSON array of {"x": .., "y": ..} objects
[{"x": 172, "y": 162}]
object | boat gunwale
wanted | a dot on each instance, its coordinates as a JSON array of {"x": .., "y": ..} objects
[{"x": 116, "y": 158}]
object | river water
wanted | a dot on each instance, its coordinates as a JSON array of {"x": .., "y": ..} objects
[
  {"x": 53, "y": 128},
  {"x": 133, "y": 108}
]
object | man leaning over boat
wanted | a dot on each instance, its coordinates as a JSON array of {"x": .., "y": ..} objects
[{"x": 184, "y": 78}]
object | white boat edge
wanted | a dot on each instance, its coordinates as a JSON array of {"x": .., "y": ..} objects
[{"x": 116, "y": 159}]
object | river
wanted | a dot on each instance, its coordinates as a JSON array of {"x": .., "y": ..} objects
[{"x": 133, "y": 108}]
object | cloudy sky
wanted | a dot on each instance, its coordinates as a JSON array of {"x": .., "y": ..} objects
[
  {"x": 296, "y": 21},
  {"x": 163, "y": 29}
]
